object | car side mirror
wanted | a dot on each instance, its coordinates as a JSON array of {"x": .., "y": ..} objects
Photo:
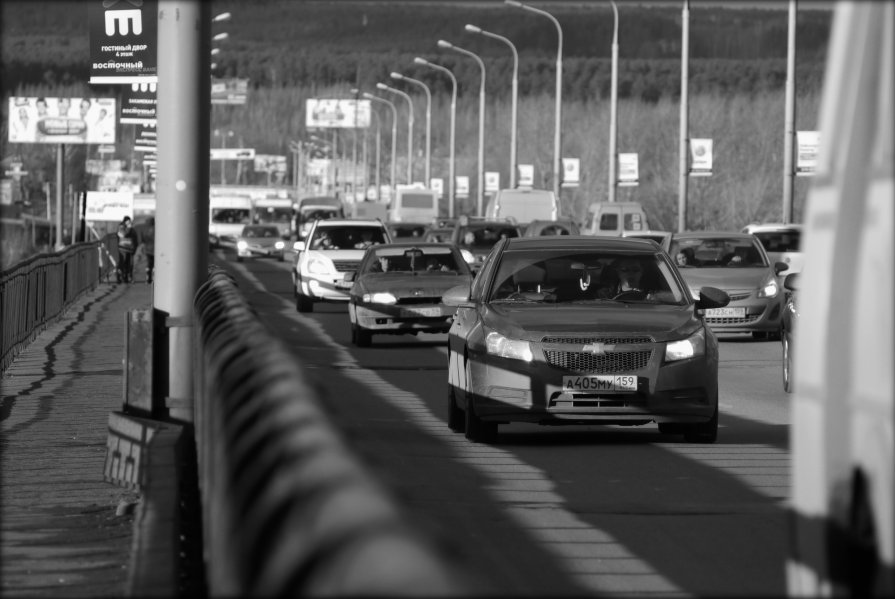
[
  {"x": 712, "y": 297},
  {"x": 780, "y": 267},
  {"x": 298, "y": 246},
  {"x": 456, "y": 296},
  {"x": 791, "y": 282}
]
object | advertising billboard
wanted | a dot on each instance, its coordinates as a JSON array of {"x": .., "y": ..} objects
[
  {"x": 345, "y": 114},
  {"x": 123, "y": 41},
  {"x": 62, "y": 120}
]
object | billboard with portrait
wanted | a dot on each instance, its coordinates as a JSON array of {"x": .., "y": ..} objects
[{"x": 62, "y": 120}]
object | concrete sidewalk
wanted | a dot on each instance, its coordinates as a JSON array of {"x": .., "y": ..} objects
[{"x": 64, "y": 530}]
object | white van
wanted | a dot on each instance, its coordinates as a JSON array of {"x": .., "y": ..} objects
[
  {"x": 413, "y": 204},
  {"x": 614, "y": 218},
  {"x": 523, "y": 205},
  {"x": 227, "y": 215}
]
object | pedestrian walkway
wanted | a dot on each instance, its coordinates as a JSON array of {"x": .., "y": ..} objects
[{"x": 64, "y": 530}]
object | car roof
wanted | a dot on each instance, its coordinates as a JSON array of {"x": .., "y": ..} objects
[
  {"x": 480, "y": 224},
  {"x": 411, "y": 244},
  {"x": 712, "y": 235},
  {"x": 342, "y": 222},
  {"x": 582, "y": 242},
  {"x": 763, "y": 227}
]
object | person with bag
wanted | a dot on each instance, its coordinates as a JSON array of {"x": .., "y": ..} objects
[
  {"x": 128, "y": 241},
  {"x": 147, "y": 245}
]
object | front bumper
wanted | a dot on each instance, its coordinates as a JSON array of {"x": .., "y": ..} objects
[
  {"x": 404, "y": 318},
  {"x": 505, "y": 390},
  {"x": 761, "y": 315},
  {"x": 332, "y": 287}
]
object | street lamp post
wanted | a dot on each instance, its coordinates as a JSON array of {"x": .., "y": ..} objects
[
  {"x": 425, "y": 87},
  {"x": 480, "y": 176},
  {"x": 557, "y": 137},
  {"x": 223, "y": 135},
  {"x": 354, "y": 92},
  {"x": 438, "y": 67},
  {"x": 378, "y": 142},
  {"x": 407, "y": 97},
  {"x": 391, "y": 105},
  {"x": 613, "y": 111},
  {"x": 515, "y": 96}
]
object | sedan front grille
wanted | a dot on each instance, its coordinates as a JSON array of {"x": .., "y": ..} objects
[
  {"x": 732, "y": 319},
  {"x": 607, "y": 340},
  {"x": 610, "y": 362},
  {"x": 736, "y": 297},
  {"x": 346, "y": 265}
]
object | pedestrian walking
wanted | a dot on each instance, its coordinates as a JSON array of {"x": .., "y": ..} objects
[
  {"x": 128, "y": 240},
  {"x": 147, "y": 245}
]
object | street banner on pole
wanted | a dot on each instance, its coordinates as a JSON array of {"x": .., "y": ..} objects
[
  {"x": 628, "y": 170},
  {"x": 526, "y": 175},
  {"x": 700, "y": 157},
  {"x": 492, "y": 181},
  {"x": 571, "y": 172},
  {"x": 138, "y": 104},
  {"x": 123, "y": 41},
  {"x": 462, "y": 187},
  {"x": 437, "y": 185},
  {"x": 807, "y": 143}
]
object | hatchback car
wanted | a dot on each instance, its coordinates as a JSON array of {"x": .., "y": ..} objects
[
  {"x": 581, "y": 330},
  {"x": 260, "y": 241},
  {"x": 333, "y": 248},
  {"x": 563, "y": 226},
  {"x": 737, "y": 264},
  {"x": 476, "y": 237},
  {"x": 398, "y": 287},
  {"x": 781, "y": 242},
  {"x": 788, "y": 328}
]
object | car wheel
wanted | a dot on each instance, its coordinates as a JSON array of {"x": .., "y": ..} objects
[
  {"x": 706, "y": 432},
  {"x": 787, "y": 364},
  {"x": 303, "y": 303},
  {"x": 456, "y": 419},
  {"x": 361, "y": 337}
]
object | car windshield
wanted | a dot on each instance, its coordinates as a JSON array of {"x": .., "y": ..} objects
[
  {"x": 312, "y": 214},
  {"x": 780, "y": 241},
  {"x": 260, "y": 231},
  {"x": 717, "y": 252},
  {"x": 430, "y": 259},
  {"x": 346, "y": 238},
  {"x": 484, "y": 238},
  {"x": 585, "y": 276}
]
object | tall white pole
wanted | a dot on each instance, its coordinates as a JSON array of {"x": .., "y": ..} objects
[
  {"x": 184, "y": 102},
  {"x": 613, "y": 111},
  {"x": 425, "y": 87},
  {"x": 789, "y": 126},
  {"x": 409, "y": 127},
  {"x": 391, "y": 105},
  {"x": 557, "y": 137},
  {"x": 480, "y": 175},
  {"x": 451, "y": 160},
  {"x": 514, "y": 96},
  {"x": 685, "y": 126}
]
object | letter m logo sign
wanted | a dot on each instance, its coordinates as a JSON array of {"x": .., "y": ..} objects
[{"x": 127, "y": 21}]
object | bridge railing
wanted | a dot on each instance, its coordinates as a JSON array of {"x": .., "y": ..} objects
[
  {"x": 36, "y": 291},
  {"x": 286, "y": 508}
]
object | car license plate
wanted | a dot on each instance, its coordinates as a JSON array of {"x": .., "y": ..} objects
[
  {"x": 429, "y": 311},
  {"x": 726, "y": 312},
  {"x": 623, "y": 383}
]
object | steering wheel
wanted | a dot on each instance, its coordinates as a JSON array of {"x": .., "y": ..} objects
[{"x": 634, "y": 294}]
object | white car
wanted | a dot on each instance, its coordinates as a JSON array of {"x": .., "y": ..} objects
[
  {"x": 781, "y": 242},
  {"x": 332, "y": 249}
]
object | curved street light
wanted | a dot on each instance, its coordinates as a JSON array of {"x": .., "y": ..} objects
[
  {"x": 425, "y": 87},
  {"x": 557, "y": 137},
  {"x": 515, "y": 96},
  {"x": 613, "y": 110},
  {"x": 391, "y": 105},
  {"x": 481, "y": 168},
  {"x": 451, "y": 152},
  {"x": 407, "y": 97}
]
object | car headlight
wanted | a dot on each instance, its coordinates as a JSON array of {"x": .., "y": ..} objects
[
  {"x": 504, "y": 347},
  {"x": 320, "y": 265},
  {"x": 242, "y": 244},
  {"x": 467, "y": 255},
  {"x": 769, "y": 289},
  {"x": 379, "y": 298},
  {"x": 280, "y": 245},
  {"x": 692, "y": 346}
]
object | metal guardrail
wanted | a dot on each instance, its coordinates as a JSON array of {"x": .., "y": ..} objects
[
  {"x": 36, "y": 291},
  {"x": 287, "y": 510}
]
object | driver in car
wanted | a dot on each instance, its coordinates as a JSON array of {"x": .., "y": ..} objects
[{"x": 629, "y": 272}]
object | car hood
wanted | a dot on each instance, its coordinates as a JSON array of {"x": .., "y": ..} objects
[
  {"x": 534, "y": 321},
  {"x": 406, "y": 285},
  {"x": 355, "y": 255},
  {"x": 726, "y": 279}
]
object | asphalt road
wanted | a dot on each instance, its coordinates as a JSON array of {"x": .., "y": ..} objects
[{"x": 550, "y": 511}]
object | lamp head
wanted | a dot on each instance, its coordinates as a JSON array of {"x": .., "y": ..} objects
[
  {"x": 513, "y": 3},
  {"x": 473, "y": 29},
  {"x": 419, "y": 60},
  {"x": 354, "y": 91},
  {"x": 220, "y": 36},
  {"x": 398, "y": 76},
  {"x": 224, "y": 16},
  {"x": 368, "y": 96},
  {"x": 381, "y": 86},
  {"x": 444, "y": 44}
]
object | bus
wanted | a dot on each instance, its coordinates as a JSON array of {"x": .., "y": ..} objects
[
  {"x": 228, "y": 213},
  {"x": 841, "y": 510}
]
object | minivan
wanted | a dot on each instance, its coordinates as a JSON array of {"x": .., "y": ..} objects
[
  {"x": 523, "y": 205},
  {"x": 614, "y": 218}
]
